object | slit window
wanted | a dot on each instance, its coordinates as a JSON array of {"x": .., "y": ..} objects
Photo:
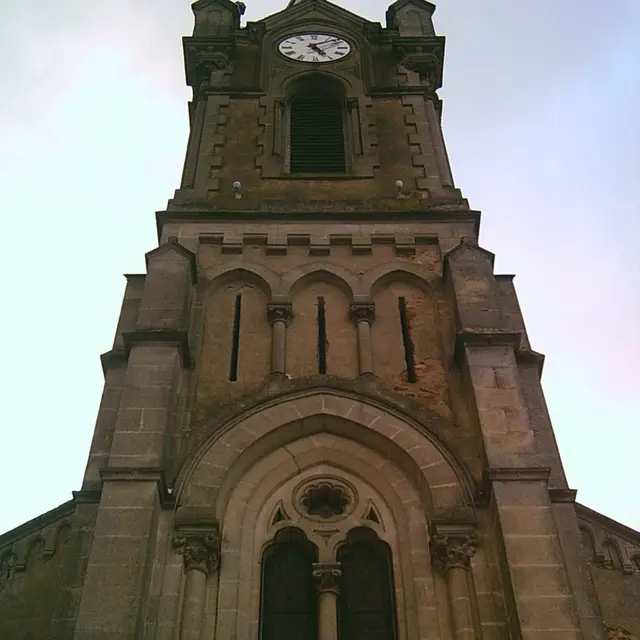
[
  {"x": 322, "y": 337},
  {"x": 406, "y": 340},
  {"x": 235, "y": 344}
]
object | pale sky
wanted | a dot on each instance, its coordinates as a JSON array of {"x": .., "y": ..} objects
[{"x": 542, "y": 121}]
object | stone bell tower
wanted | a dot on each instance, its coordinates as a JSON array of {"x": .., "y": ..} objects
[{"x": 322, "y": 417}]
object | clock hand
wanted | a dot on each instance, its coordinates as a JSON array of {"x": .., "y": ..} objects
[
  {"x": 329, "y": 43},
  {"x": 315, "y": 47}
]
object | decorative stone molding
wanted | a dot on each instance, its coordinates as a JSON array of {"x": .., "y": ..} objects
[
  {"x": 325, "y": 499},
  {"x": 362, "y": 312},
  {"x": 255, "y": 31},
  {"x": 282, "y": 312},
  {"x": 452, "y": 546},
  {"x": 425, "y": 65},
  {"x": 327, "y": 577},
  {"x": 7, "y": 565},
  {"x": 200, "y": 549},
  {"x": 207, "y": 63}
]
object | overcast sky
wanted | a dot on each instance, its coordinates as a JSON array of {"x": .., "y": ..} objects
[{"x": 542, "y": 120}]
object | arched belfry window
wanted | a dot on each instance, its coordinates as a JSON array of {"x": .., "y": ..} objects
[
  {"x": 317, "y": 126},
  {"x": 289, "y": 602},
  {"x": 366, "y": 609}
]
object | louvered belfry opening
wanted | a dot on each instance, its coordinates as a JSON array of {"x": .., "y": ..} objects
[{"x": 317, "y": 142}]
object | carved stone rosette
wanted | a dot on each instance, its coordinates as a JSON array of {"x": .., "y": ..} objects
[
  {"x": 282, "y": 312},
  {"x": 200, "y": 550},
  {"x": 362, "y": 312},
  {"x": 327, "y": 577},
  {"x": 453, "y": 550}
]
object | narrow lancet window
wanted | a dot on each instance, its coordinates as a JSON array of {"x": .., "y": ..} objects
[
  {"x": 235, "y": 344},
  {"x": 322, "y": 337},
  {"x": 289, "y": 601},
  {"x": 406, "y": 340},
  {"x": 366, "y": 602}
]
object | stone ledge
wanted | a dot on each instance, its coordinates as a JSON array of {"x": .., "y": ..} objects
[
  {"x": 113, "y": 359},
  {"x": 141, "y": 474},
  {"x": 518, "y": 474},
  {"x": 160, "y": 336},
  {"x": 562, "y": 495}
]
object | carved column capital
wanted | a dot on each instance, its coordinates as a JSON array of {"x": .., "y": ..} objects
[
  {"x": 327, "y": 577},
  {"x": 453, "y": 549},
  {"x": 362, "y": 312},
  {"x": 200, "y": 549},
  {"x": 282, "y": 312}
]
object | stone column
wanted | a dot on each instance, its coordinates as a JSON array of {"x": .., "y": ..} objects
[
  {"x": 363, "y": 314},
  {"x": 279, "y": 315},
  {"x": 201, "y": 554},
  {"x": 327, "y": 576},
  {"x": 452, "y": 547}
]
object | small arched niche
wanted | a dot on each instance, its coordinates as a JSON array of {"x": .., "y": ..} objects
[
  {"x": 236, "y": 337},
  {"x": 407, "y": 344}
]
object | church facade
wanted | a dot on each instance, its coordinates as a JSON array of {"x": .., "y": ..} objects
[{"x": 322, "y": 417}]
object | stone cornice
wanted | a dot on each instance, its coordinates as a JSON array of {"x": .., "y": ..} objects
[
  {"x": 442, "y": 213},
  {"x": 528, "y": 356},
  {"x": 112, "y": 359},
  {"x": 518, "y": 474},
  {"x": 37, "y": 523},
  {"x": 608, "y": 524},
  {"x": 562, "y": 496}
]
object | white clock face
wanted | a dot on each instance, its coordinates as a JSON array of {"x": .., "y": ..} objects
[{"x": 314, "y": 47}]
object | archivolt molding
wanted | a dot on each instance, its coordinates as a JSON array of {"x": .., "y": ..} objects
[
  {"x": 272, "y": 482},
  {"x": 294, "y": 280},
  {"x": 283, "y": 287},
  {"x": 265, "y": 278},
  {"x": 237, "y": 444},
  {"x": 418, "y": 274}
]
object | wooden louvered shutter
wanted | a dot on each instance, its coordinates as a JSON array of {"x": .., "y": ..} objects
[
  {"x": 317, "y": 135},
  {"x": 289, "y": 603}
]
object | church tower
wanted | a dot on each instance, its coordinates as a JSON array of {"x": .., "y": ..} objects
[{"x": 322, "y": 418}]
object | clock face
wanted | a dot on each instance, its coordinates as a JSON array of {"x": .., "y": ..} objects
[{"x": 314, "y": 47}]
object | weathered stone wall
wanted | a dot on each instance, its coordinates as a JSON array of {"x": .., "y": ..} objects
[{"x": 34, "y": 568}]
